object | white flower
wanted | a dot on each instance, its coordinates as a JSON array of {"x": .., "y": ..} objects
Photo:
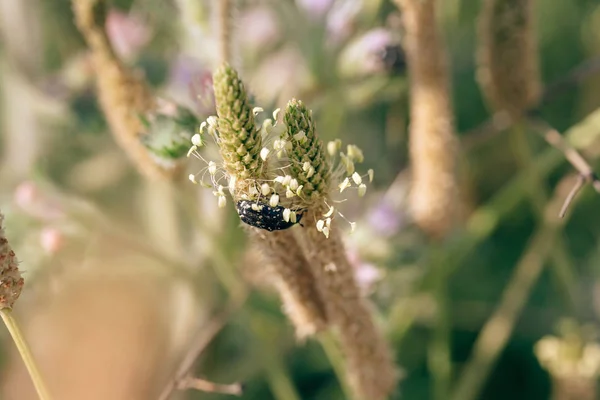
[
  {"x": 326, "y": 232},
  {"x": 311, "y": 172},
  {"x": 293, "y": 217},
  {"x": 293, "y": 184},
  {"x": 306, "y": 166},
  {"x": 274, "y": 200}
]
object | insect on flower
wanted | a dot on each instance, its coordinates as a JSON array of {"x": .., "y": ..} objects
[{"x": 263, "y": 216}]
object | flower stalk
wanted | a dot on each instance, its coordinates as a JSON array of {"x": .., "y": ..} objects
[
  {"x": 124, "y": 95},
  {"x": 11, "y": 284},
  {"x": 370, "y": 367},
  {"x": 240, "y": 145}
]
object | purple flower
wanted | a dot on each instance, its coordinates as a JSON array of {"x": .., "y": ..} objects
[
  {"x": 385, "y": 220},
  {"x": 315, "y": 8},
  {"x": 366, "y": 274},
  {"x": 190, "y": 84}
]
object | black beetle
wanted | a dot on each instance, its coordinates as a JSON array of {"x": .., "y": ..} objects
[{"x": 264, "y": 216}]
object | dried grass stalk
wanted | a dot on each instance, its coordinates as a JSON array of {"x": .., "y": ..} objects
[
  {"x": 123, "y": 93},
  {"x": 369, "y": 360},
  {"x": 293, "y": 279},
  {"x": 508, "y": 65},
  {"x": 434, "y": 198}
]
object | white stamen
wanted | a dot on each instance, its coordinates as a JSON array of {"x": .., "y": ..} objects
[
  {"x": 330, "y": 212},
  {"x": 356, "y": 178},
  {"x": 257, "y": 110},
  {"x": 222, "y": 201},
  {"x": 197, "y": 139},
  {"x": 264, "y": 153},
  {"x": 355, "y": 153},
  {"x": 191, "y": 150},
  {"x": 192, "y": 178},
  {"x": 212, "y": 167},
  {"x": 345, "y": 183},
  {"x": 333, "y": 147},
  {"x": 320, "y": 225},
  {"x": 276, "y": 114},
  {"x": 265, "y": 189},
  {"x": 371, "y": 174},
  {"x": 286, "y": 214},
  {"x": 362, "y": 189}
]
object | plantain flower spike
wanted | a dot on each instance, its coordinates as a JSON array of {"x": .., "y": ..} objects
[
  {"x": 370, "y": 368},
  {"x": 308, "y": 163},
  {"x": 11, "y": 282},
  {"x": 239, "y": 140},
  {"x": 508, "y": 65}
]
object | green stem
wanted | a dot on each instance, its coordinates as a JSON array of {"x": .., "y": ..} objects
[
  {"x": 561, "y": 267},
  {"x": 439, "y": 356},
  {"x": 336, "y": 359},
  {"x": 498, "y": 329},
  {"x": 25, "y": 353}
]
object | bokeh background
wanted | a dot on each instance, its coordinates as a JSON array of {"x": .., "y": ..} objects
[{"x": 125, "y": 276}]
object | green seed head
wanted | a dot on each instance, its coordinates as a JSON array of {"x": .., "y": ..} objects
[
  {"x": 239, "y": 141},
  {"x": 309, "y": 164}
]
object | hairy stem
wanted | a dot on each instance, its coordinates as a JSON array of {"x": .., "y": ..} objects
[{"x": 25, "y": 352}]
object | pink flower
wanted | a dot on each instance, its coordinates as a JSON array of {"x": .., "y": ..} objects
[
  {"x": 36, "y": 203},
  {"x": 259, "y": 28},
  {"x": 127, "y": 33},
  {"x": 315, "y": 8},
  {"x": 366, "y": 274},
  {"x": 51, "y": 240}
]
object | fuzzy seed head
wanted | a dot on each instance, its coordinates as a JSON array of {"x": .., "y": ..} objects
[{"x": 11, "y": 282}]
